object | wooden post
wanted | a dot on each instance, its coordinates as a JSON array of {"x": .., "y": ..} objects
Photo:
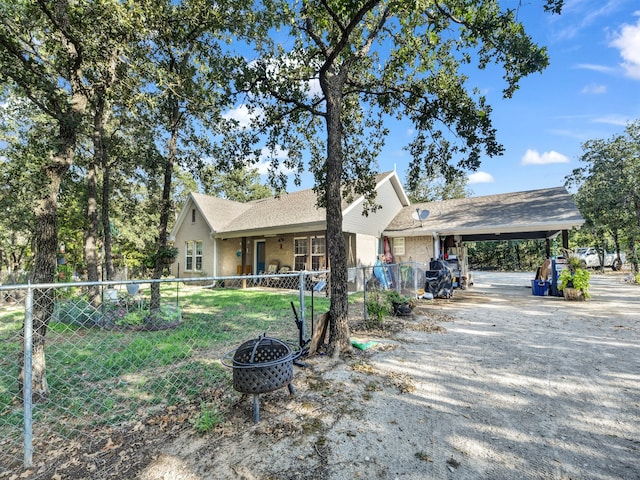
[{"x": 319, "y": 335}]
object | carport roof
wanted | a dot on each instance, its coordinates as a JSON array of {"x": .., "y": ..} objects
[{"x": 533, "y": 214}]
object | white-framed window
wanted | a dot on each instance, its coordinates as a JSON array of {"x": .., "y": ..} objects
[
  {"x": 398, "y": 246},
  {"x": 318, "y": 253},
  {"x": 310, "y": 253},
  {"x": 193, "y": 255},
  {"x": 300, "y": 253}
]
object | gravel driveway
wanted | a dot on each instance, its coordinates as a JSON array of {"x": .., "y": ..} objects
[
  {"x": 495, "y": 383},
  {"x": 520, "y": 387}
]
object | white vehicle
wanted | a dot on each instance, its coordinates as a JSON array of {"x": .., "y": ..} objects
[{"x": 591, "y": 258}]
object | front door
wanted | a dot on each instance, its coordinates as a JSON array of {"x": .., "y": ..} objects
[{"x": 260, "y": 256}]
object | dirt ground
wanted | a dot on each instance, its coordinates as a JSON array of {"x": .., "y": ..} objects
[{"x": 495, "y": 383}]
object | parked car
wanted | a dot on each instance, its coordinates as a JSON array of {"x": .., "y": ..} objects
[{"x": 591, "y": 258}]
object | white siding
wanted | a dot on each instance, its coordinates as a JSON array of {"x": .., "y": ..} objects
[
  {"x": 366, "y": 249},
  {"x": 197, "y": 230},
  {"x": 374, "y": 223}
]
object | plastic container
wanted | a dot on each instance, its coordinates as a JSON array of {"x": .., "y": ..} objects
[{"x": 540, "y": 288}]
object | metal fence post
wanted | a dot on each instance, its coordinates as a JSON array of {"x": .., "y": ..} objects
[
  {"x": 27, "y": 383},
  {"x": 302, "y": 305},
  {"x": 364, "y": 293}
]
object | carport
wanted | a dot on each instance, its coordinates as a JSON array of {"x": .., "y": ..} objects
[{"x": 447, "y": 225}]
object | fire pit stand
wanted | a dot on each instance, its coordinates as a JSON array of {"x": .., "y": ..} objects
[{"x": 259, "y": 366}]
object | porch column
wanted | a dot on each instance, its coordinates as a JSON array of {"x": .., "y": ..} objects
[{"x": 244, "y": 260}]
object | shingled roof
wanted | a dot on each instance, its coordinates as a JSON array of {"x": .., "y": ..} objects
[
  {"x": 295, "y": 209},
  {"x": 218, "y": 212},
  {"x": 519, "y": 215},
  {"x": 290, "y": 212}
]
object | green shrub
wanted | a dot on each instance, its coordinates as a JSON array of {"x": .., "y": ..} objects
[
  {"x": 75, "y": 311},
  {"x": 578, "y": 279},
  {"x": 380, "y": 304},
  {"x": 135, "y": 318},
  {"x": 378, "y": 307}
]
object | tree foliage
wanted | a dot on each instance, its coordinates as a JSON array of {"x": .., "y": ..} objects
[
  {"x": 435, "y": 187},
  {"x": 608, "y": 189},
  {"x": 240, "y": 184},
  {"x": 349, "y": 66}
]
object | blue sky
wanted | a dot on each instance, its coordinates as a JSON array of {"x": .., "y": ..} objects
[{"x": 590, "y": 90}]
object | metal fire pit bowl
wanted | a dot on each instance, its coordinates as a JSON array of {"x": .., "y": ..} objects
[{"x": 261, "y": 365}]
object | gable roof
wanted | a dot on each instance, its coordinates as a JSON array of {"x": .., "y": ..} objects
[
  {"x": 217, "y": 212},
  {"x": 520, "y": 215},
  {"x": 296, "y": 210},
  {"x": 288, "y": 213}
]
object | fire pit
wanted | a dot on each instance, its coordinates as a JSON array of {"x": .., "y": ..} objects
[{"x": 260, "y": 365}]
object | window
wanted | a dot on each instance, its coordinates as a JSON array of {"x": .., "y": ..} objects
[
  {"x": 318, "y": 253},
  {"x": 193, "y": 215},
  {"x": 312, "y": 259},
  {"x": 398, "y": 246},
  {"x": 193, "y": 255},
  {"x": 300, "y": 252}
]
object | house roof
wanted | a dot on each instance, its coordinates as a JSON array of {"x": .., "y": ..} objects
[
  {"x": 520, "y": 215},
  {"x": 288, "y": 213},
  {"x": 218, "y": 212},
  {"x": 296, "y": 210}
]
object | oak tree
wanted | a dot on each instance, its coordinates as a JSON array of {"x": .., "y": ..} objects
[{"x": 342, "y": 70}]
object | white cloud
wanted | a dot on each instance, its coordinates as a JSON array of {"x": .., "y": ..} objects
[
  {"x": 595, "y": 68},
  {"x": 582, "y": 14},
  {"x": 242, "y": 115},
  {"x": 613, "y": 119},
  {"x": 314, "y": 88},
  {"x": 628, "y": 42},
  {"x": 265, "y": 161},
  {"x": 480, "y": 177},
  {"x": 533, "y": 157},
  {"x": 594, "y": 89}
]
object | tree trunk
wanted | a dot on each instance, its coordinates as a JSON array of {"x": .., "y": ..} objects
[
  {"x": 165, "y": 206},
  {"x": 46, "y": 242},
  {"x": 106, "y": 219},
  {"x": 67, "y": 113},
  {"x": 338, "y": 310},
  {"x": 92, "y": 234}
]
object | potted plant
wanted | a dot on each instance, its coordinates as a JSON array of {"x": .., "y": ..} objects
[
  {"x": 167, "y": 254},
  {"x": 574, "y": 280},
  {"x": 402, "y": 305}
]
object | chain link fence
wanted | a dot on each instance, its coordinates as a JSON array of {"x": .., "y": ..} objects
[
  {"x": 101, "y": 355},
  {"x": 406, "y": 278}
]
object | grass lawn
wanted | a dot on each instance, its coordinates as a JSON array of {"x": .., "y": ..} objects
[{"x": 100, "y": 376}]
